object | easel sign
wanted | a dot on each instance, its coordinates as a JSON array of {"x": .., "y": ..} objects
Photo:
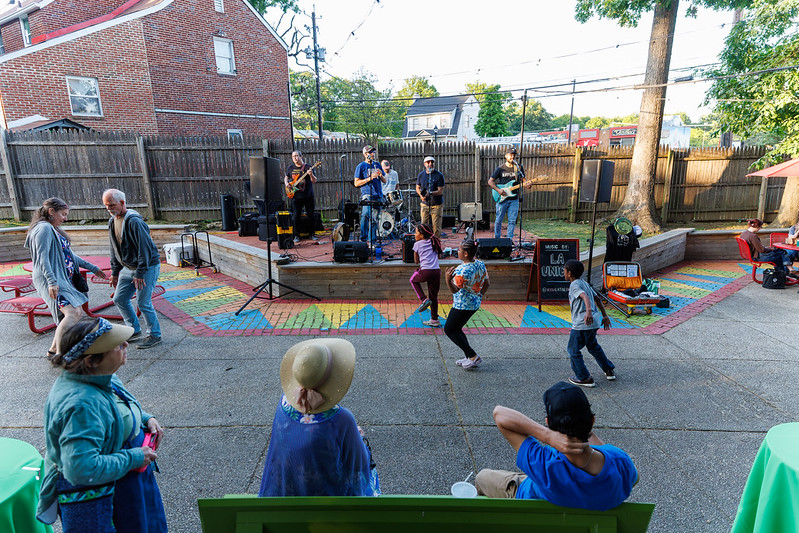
[{"x": 547, "y": 269}]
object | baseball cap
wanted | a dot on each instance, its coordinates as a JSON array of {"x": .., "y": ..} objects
[
  {"x": 368, "y": 149},
  {"x": 566, "y": 400},
  {"x": 511, "y": 150},
  {"x": 430, "y": 158}
]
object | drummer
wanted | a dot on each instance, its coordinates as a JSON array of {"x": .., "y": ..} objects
[{"x": 392, "y": 179}]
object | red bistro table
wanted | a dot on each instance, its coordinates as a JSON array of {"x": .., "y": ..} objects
[{"x": 786, "y": 246}]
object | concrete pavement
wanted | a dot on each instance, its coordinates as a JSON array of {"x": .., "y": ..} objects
[{"x": 690, "y": 406}]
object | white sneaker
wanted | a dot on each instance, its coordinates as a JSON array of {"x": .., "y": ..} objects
[
  {"x": 467, "y": 363},
  {"x": 432, "y": 323}
]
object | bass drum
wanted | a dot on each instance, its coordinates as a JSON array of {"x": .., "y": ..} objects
[
  {"x": 385, "y": 226},
  {"x": 340, "y": 232}
]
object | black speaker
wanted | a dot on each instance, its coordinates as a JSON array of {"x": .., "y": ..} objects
[
  {"x": 593, "y": 169},
  {"x": 447, "y": 221},
  {"x": 228, "y": 212},
  {"x": 494, "y": 248},
  {"x": 265, "y": 172},
  {"x": 408, "y": 240},
  {"x": 248, "y": 225},
  {"x": 350, "y": 252},
  {"x": 267, "y": 230},
  {"x": 304, "y": 226}
]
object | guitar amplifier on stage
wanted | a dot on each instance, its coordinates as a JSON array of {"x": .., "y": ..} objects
[
  {"x": 350, "y": 252},
  {"x": 408, "y": 240},
  {"x": 248, "y": 225},
  {"x": 494, "y": 248}
]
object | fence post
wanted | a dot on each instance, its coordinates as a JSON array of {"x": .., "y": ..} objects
[
  {"x": 761, "y": 201},
  {"x": 477, "y": 170},
  {"x": 664, "y": 209},
  {"x": 12, "y": 190},
  {"x": 145, "y": 176},
  {"x": 265, "y": 145},
  {"x": 578, "y": 163}
]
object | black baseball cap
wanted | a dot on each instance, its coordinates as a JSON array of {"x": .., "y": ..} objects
[
  {"x": 564, "y": 399},
  {"x": 511, "y": 150}
]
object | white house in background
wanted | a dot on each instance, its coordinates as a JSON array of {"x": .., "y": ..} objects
[{"x": 441, "y": 119}]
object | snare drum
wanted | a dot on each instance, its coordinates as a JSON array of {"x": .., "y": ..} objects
[{"x": 394, "y": 197}]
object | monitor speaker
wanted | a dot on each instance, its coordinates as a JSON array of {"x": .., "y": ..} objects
[
  {"x": 494, "y": 248},
  {"x": 408, "y": 241},
  {"x": 593, "y": 170},
  {"x": 265, "y": 172},
  {"x": 350, "y": 252}
]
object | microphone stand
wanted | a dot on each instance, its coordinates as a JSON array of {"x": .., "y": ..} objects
[{"x": 519, "y": 254}]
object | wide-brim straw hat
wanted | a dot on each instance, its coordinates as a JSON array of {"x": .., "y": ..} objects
[
  {"x": 110, "y": 339},
  {"x": 316, "y": 374}
]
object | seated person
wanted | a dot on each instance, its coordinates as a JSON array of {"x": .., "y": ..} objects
[
  {"x": 317, "y": 448},
  {"x": 579, "y": 470},
  {"x": 760, "y": 252},
  {"x": 793, "y": 233}
]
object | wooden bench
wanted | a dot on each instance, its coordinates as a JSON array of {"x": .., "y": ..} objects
[
  {"x": 746, "y": 255},
  {"x": 417, "y": 514}
]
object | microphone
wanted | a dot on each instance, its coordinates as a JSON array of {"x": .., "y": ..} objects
[{"x": 343, "y": 156}]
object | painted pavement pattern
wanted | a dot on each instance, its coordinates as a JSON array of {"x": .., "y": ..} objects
[{"x": 205, "y": 305}]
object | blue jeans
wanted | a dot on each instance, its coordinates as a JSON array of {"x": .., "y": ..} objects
[
  {"x": 144, "y": 299},
  {"x": 511, "y": 207},
  {"x": 779, "y": 257},
  {"x": 368, "y": 221},
  {"x": 586, "y": 337}
]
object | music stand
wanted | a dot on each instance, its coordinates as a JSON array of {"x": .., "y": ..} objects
[{"x": 256, "y": 165}]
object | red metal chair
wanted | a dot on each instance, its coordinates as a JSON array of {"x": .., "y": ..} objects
[
  {"x": 746, "y": 255},
  {"x": 19, "y": 285},
  {"x": 777, "y": 238},
  {"x": 30, "y": 306}
]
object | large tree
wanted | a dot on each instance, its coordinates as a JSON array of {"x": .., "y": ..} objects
[
  {"x": 491, "y": 119},
  {"x": 639, "y": 201},
  {"x": 361, "y": 108},
  {"x": 536, "y": 118},
  {"x": 764, "y": 106}
]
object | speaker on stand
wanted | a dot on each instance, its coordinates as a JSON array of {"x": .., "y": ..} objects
[{"x": 595, "y": 186}]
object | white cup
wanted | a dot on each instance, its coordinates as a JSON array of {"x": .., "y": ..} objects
[{"x": 463, "y": 489}]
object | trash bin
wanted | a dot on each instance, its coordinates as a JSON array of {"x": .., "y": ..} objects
[{"x": 228, "y": 212}]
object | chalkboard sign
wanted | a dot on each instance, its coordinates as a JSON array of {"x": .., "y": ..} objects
[{"x": 550, "y": 256}]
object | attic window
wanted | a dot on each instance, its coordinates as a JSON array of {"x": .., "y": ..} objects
[
  {"x": 219, "y": 6},
  {"x": 25, "y": 27},
  {"x": 84, "y": 96}
]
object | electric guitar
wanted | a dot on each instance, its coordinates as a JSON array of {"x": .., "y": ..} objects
[
  {"x": 512, "y": 186},
  {"x": 293, "y": 186}
]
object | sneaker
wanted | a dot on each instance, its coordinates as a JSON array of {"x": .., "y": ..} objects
[
  {"x": 135, "y": 337},
  {"x": 149, "y": 342},
  {"x": 296, "y": 240},
  {"x": 610, "y": 375},
  {"x": 432, "y": 323},
  {"x": 587, "y": 382},
  {"x": 467, "y": 363},
  {"x": 424, "y": 306},
  {"x": 314, "y": 237}
]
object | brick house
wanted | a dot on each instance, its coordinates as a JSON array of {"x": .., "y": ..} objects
[{"x": 189, "y": 67}]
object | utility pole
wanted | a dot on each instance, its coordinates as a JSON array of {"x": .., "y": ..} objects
[
  {"x": 316, "y": 51},
  {"x": 571, "y": 112}
]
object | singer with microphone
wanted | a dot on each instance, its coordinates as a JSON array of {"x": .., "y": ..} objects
[
  {"x": 369, "y": 178},
  {"x": 430, "y": 188},
  {"x": 505, "y": 180}
]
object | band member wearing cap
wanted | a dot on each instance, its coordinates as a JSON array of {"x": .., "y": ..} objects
[
  {"x": 316, "y": 447},
  {"x": 502, "y": 176},
  {"x": 98, "y": 473},
  {"x": 563, "y": 462},
  {"x": 303, "y": 196},
  {"x": 430, "y": 188},
  {"x": 369, "y": 178},
  {"x": 392, "y": 178}
]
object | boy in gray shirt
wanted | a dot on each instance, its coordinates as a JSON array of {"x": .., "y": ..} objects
[{"x": 585, "y": 303}]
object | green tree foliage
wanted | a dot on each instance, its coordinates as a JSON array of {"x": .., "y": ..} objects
[
  {"x": 597, "y": 122},
  {"x": 361, "y": 108},
  {"x": 491, "y": 119},
  {"x": 285, "y": 5},
  {"x": 303, "y": 100},
  {"x": 562, "y": 122},
  {"x": 762, "y": 107},
  {"x": 536, "y": 118},
  {"x": 416, "y": 86}
]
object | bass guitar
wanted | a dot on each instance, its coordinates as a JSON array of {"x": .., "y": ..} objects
[
  {"x": 510, "y": 187},
  {"x": 294, "y": 185}
]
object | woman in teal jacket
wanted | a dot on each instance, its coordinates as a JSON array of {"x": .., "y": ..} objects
[{"x": 94, "y": 433}]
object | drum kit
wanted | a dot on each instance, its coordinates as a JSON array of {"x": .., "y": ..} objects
[{"x": 392, "y": 216}]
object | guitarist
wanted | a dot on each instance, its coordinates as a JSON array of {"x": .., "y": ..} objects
[
  {"x": 509, "y": 171},
  {"x": 430, "y": 188},
  {"x": 303, "y": 196}
]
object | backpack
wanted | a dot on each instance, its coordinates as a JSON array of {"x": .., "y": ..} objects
[{"x": 774, "y": 279}]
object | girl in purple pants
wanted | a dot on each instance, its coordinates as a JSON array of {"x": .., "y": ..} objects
[{"x": 425, "y": 251}]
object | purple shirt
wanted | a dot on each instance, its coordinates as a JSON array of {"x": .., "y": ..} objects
[{"x": 428, "y": 258}]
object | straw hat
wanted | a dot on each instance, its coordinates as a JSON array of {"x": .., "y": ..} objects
[{"x": 316, "y": 374}]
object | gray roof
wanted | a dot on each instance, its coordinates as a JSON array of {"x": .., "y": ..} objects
[{"x": 438, "y": 104}]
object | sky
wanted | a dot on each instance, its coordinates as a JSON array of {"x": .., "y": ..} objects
[{"x": 517, "y": 44}]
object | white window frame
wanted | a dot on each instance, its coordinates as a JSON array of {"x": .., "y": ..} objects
[
  {"x": 219, "y": 6},
  {"x": 25, "y": 28},
  {"x": 229, "y": 43},
  {"x": 70, "y": 95},
  {"x": 235, "y": 135}
]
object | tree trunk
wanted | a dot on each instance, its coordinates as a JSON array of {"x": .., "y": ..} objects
[
  {"x": 789, "y": 206},
  {"x": 639, "y": 201}
]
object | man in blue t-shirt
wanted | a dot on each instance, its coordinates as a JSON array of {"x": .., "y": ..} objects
[
  {"x": 564, "y": 463},
  {"x": 369, "y": 178}
]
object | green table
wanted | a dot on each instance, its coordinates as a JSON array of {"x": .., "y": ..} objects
[
  {"x": 770, "y": 502},
  {"x": 21, "y": 470}
]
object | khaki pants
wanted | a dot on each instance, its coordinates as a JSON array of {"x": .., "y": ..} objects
[
  {"x": 498, "y": 483},
  {"x": 432, "y": 215}
]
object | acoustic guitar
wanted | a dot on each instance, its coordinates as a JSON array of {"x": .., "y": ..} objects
[{"x": 294, "y": 185}]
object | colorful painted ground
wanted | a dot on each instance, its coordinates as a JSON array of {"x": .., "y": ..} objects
[{"x": 205, "y": 305}]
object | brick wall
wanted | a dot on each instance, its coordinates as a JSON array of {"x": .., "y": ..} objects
[
  {"x": 62, "y": 13},
  {"x": 36, "y": 84},
  {"x": 183, "y": 69},
  {"x": 12, "y": 36}
]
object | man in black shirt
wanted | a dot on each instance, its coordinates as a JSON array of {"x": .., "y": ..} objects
[
  {"x": 430, "y": 188},
  {"x": 508, "y": 174},
  {"x": 303, "y": 192}
]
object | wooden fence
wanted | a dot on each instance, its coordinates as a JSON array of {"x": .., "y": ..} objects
[{"x": 182, "y": 178}]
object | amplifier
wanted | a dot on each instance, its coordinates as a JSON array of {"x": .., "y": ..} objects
[
  {"x": 408, "y": 240},
  {"x": 248, "y": 225},
  {"x": 350, "y": 252},
  {"x": 267, "y": 230},
  {"x": 494, "y": 248}
]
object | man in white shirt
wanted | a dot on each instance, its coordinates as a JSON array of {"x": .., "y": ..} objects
[{"x": 392, "y": 179}]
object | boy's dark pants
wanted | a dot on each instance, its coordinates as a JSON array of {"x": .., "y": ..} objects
[{"x": 577, "y": 340}]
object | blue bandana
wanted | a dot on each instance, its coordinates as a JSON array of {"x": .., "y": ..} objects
[{"x": 83, "y": 345}]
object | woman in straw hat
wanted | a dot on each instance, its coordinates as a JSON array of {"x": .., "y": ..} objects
[
  {"x": 98, "y": 469},
  {"x": 317, "y": 448}
]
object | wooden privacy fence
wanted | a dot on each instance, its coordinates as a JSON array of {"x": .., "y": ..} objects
[{"x": 182, "y": 178}]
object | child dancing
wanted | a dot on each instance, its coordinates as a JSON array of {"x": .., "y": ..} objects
[{"x": 425, "y": 252}]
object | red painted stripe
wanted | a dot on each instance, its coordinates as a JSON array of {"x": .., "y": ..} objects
[{"x": 85, "y": 24}]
